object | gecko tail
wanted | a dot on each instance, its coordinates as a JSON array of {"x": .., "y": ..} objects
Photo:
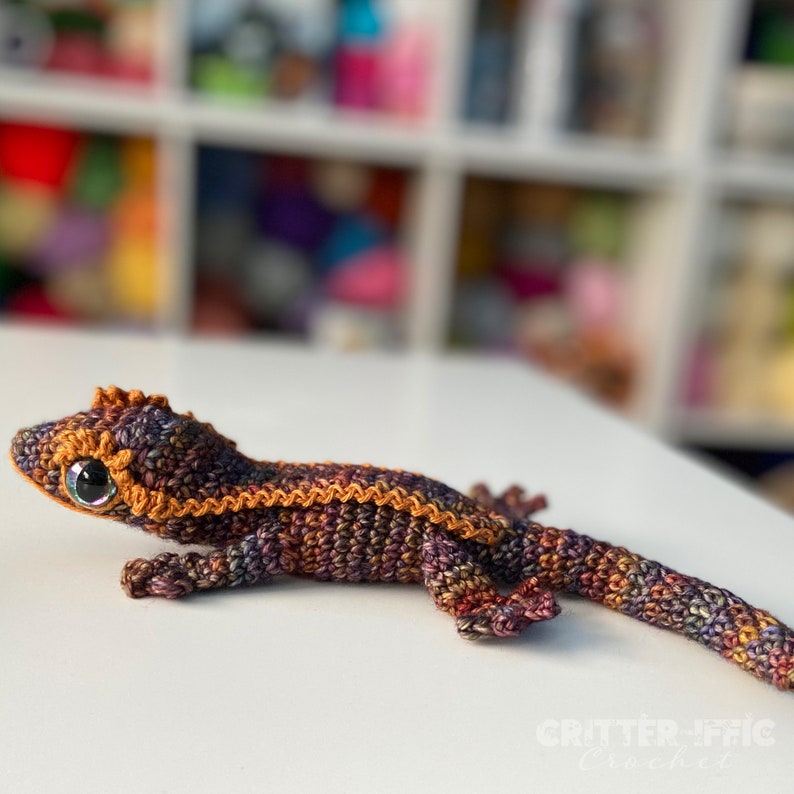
[{"x": 749, "y": 637}]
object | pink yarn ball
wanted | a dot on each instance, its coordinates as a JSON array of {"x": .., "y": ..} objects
[
  {"x": 375, "y": 278},
  {"x": 594, "y": 291},
  {"x": 700, "y": 376}
]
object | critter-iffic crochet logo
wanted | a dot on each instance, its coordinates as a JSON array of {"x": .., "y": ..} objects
[{"x": 652, "y": 743}]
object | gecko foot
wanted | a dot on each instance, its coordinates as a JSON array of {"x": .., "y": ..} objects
[
  {"x": 165, "y": 575},
  {"x": 528, "y": 603},
  {"x": 513, "y": 503}
]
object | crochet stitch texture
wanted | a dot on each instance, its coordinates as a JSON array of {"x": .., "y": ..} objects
[{"x": 132, "y": 459}]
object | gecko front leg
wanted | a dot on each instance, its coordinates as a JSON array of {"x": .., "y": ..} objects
[{"x": 253, "y": 558}]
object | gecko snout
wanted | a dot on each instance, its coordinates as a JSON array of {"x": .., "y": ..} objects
[{"x": 25, "y": 446}]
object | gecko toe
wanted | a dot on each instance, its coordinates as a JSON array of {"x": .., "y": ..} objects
[
  {"x": 163, "y": 576},
  {"x": 528, "y": 603}
]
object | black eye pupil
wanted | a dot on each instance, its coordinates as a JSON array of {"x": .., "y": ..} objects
[
  {"x": 89, "y": 483},
  {"x": 92, "y": 482}
]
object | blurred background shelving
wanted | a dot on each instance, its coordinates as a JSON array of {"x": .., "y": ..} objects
[{"x": 602, "y": 187}]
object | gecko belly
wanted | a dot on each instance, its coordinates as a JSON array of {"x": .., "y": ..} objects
[{"x": 351, "y": 542}]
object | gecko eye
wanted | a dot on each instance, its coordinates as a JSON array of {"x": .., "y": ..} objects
[{"x": 89, "y": 484}]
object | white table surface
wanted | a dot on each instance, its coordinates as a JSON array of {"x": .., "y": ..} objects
[{"x": 304, "y": 686}]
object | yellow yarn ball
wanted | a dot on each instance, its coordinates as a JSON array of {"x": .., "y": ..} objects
[
  {"x": 133, "y": 277},
  {"x": 779, "y": 384},
  {"x": 26, "y": 212}
]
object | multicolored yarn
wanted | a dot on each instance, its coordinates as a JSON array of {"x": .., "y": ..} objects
[{"x": 132, "y": 459}]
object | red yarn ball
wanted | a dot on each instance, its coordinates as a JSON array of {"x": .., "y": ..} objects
[{"x": 32, "y": 153}]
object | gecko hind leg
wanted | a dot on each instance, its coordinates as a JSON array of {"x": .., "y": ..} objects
[
  {"x": 169, "y": 575},
  {"x": 512, "y": 503},
  {"x": 460, "y": 586}
]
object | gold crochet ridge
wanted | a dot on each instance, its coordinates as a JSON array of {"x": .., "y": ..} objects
[{"x": 158, "y": 506}]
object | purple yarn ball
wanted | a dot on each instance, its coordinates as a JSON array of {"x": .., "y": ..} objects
[
  {"x": 297, "y": 219},
  {"x": 76, "y": 238}
]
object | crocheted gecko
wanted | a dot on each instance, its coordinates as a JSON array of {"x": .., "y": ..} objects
[{"x": 132, "y": 459}]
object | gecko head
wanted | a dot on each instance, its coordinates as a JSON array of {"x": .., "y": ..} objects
[{"x": 130, "y": 457}]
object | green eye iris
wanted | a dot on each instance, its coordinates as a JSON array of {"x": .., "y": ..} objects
[{"x": 89, "y": 483}]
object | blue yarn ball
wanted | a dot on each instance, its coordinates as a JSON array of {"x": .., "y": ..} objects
[{"x": 350, "y": 235}]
